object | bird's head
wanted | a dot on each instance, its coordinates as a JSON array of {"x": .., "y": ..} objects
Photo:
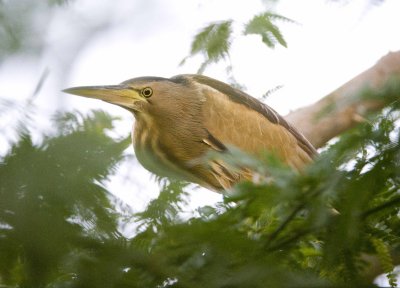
[{"x": 154, "y": 96}]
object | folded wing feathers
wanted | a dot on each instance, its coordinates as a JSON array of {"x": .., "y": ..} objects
[{"x": 242, "y": 98}]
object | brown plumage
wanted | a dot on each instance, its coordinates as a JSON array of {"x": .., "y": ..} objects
[{"x": 180, "y": 119}]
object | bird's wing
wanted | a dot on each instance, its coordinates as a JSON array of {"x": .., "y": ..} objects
[
  {"x": 235, "y": 118},
  {"x": 226, "y": 175}
]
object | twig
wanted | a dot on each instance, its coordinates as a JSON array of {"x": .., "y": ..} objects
[
  {"x": 286, "y": 222},
  {"x": 293, "y": 238},
  {"x": 394, "y": 201}
]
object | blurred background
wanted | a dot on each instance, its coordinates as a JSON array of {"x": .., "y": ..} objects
[{"x": 47, "y": 46}]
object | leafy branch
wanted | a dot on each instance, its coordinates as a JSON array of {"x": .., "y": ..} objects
[
  {"x": 263, "y": 25},
  {"x": 214, "y": 41}
]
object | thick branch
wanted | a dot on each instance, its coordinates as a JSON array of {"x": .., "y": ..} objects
[{"x": 342, "y": 109}]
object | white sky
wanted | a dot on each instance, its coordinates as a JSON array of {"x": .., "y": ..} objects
[{"x": 330, "y": 44}]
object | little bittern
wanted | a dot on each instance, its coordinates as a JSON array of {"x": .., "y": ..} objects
[{"x": 180, "y": 119}]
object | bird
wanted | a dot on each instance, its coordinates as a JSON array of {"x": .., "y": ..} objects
[{"x": 179, "y": 120}]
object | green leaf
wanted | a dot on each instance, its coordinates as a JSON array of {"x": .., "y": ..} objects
[
  {"x": 213, "y": 42},
  {"x": 262, "y": 25},
  {"x": 52, "y": 199}
]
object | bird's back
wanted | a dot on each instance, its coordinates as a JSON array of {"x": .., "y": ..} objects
[
  {"x": 231, "y": 112},
  {"x": 233, "y": 118}
]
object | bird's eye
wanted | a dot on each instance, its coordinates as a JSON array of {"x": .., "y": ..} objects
[{"x": 147, "y": 92}]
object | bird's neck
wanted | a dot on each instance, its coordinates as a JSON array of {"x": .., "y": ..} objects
[{"x": 143, "y": 129}]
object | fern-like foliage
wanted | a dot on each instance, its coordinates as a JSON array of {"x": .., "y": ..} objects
[
  {"x": 53, "y": 204},
  {"x": 214, "y": 40},
  {"x": 383, "y": 252},
  {"x": 263, "y": 25}
]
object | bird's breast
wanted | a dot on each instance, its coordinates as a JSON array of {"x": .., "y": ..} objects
[
  {"x": 157, "y": 150},
  {"x": 146, "y": 143}
]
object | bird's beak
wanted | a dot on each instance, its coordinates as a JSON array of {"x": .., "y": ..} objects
[{"x": 121, "y": 95}]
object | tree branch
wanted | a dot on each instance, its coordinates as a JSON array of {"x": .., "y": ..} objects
[{"x": 342, "y": 109}]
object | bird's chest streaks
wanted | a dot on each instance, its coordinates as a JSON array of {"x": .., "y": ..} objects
[
  {"x": 155, "y": 160},
  {"x": 163, "y": 153},
  {"x": 148, "y": 151}
]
